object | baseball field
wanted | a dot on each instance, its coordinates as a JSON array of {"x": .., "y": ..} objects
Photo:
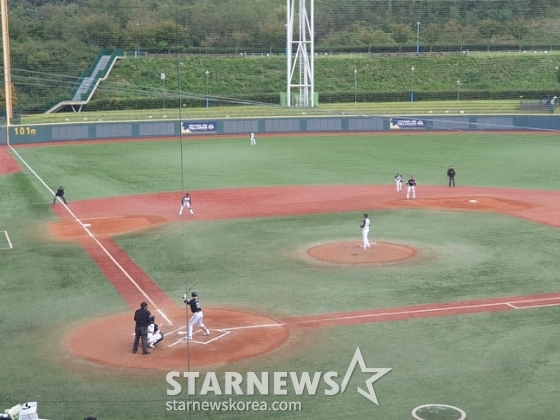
[{"x": 454, "y": 309}]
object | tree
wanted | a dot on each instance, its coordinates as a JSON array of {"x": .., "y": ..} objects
[
  {"x": 519, "y": 30},
  {"x": 98, "y": 30},
  {"x": 488, "y": 29},
  {"x": 372, "y": 38},
  {"x": 209, "y": 41},
  {"x": 238, "y": 38},
  {"x": 167, "y": 33},
  {"x": 272, "y": 33},
  {"x": 431, "y": 34},
  {"x": 401, "y": 33},
  {"x": 453, "y": 29}
]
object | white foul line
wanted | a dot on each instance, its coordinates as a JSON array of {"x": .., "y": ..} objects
[
  {"x": 8, "y": 239},
  {"x": 411, "y": 312},
  {"x": 96, "y": 241}
]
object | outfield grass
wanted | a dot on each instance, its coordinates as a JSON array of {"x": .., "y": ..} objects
[{"x": 492, "y": 365}]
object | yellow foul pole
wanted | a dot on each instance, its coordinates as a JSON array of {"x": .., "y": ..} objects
[{"x": 7, "y": 66}]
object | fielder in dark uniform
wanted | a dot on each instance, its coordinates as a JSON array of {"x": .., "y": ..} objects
[
  {"x": 451, "y": 175},
  {"x": 411, "y": 187},
  {"x": 197, "y": 315},
  {"x": 59, "y": 193},
  {"x": 142, "y": 319}
]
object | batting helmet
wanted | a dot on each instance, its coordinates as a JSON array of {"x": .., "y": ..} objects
[
  {"x": 194, "y": 294},
  {"x": 151, "y": 319}
]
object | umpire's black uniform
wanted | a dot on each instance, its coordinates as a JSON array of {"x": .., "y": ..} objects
[
  {"x": 59, "y": 193},
  {"x": 451, "y": 174},
  {"x": 141, "y": 317}
]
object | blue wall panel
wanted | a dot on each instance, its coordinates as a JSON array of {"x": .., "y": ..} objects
[{"x": 22, "y": 134}]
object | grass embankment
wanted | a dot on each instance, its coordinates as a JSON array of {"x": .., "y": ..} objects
[
  {"x": 233, "y": 77},
  {"x": 381, "y": 85}
]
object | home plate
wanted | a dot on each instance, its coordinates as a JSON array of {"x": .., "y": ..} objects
[{"x": 473, "y": 201}]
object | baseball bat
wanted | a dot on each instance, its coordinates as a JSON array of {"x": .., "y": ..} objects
[{"x": 190, "y": 288}]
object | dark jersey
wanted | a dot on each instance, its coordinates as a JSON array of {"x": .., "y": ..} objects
[
  {"x": 60, "y": 192},
  {"x": 194, "y": 304},
  {"x": 451, "y": 172},
  {"x": 141, "y": 316},
  {"x": 411, "y": 182}
]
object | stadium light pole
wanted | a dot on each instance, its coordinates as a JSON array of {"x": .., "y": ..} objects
[
  {"x": 207, "y": 73},
  {"x": 136, "y": 41},
  {"x": 355, "y": 84},
  {"x": 412, "y": 92},
  {"x": 417, "y": 38},
  {"x": 163, "y": 88}
]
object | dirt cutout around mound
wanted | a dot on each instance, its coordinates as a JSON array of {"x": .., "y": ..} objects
[
  {"x": 353, "y": 253},
  {"x": 102, "y": 227},
  {"x": 473, "y": 203}
]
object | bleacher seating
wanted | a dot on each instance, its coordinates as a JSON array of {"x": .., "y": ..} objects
[{"x": 544, "y": 105}]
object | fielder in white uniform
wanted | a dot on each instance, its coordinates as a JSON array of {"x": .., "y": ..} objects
[
  {"x": 197, "y": 315},
  {"x": 365, "y": 231},
  {"x": 398, "y": 181},
  {"x": 253, "y": 140},
  {"x": 186, "y": 202},
  {"x": 411, "y": 187}
]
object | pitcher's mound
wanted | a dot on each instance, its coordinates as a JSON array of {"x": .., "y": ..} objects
[{"x": 353, "y": 253}]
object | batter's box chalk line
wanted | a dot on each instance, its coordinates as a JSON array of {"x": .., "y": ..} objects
[{"x": 215, "y": 335}]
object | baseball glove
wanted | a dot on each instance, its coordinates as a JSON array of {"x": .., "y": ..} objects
[{"x": 362, "y": 225}]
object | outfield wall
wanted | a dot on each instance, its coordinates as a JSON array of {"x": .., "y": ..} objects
[{"x": 40, "y": 133}]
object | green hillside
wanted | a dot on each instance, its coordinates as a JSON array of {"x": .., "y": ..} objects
[{"x": 136, "y": 83}]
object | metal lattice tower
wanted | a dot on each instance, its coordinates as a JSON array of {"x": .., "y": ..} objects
[{"x": 300, "y": 53}]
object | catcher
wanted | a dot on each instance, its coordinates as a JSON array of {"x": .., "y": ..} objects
[{"x": 154, "y": 333}]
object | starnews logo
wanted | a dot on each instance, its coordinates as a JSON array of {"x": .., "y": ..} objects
[{"x": 301, "y": 383}]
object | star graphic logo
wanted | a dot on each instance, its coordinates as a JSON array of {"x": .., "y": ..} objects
[{"x": 379, "y": 372}]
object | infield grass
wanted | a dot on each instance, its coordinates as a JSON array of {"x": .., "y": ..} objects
[{"x": 492, "y": 365}]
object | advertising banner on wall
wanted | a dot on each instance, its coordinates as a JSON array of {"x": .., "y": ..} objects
[
  {"x": 406, "y": 123},
  {"x": 198, "y": 127}
]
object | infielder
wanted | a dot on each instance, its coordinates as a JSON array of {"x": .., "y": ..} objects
[
  {"x": 197, "y": 315},
  {"x": 186, "y": 202},
  {"x": 411, "y": 187},
  {"x": 398, "y": 181},
  {"x": 365, "y": 231},
  {"x": 154, "y": 333},
  {"x": 253, "y": 140}
]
